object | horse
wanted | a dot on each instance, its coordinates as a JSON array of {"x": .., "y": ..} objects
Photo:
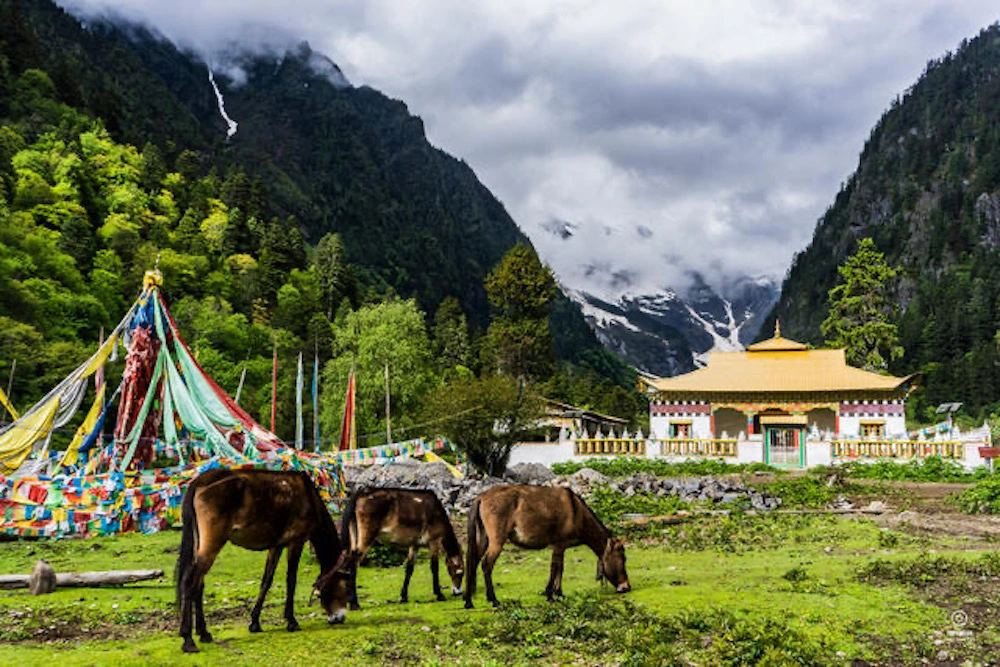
[
  {"x": 403, "y": 517},
  {"x": 536, "y": 517},
  {"x": 258, "y": 510}
]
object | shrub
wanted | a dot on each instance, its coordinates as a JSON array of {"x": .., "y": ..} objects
[
  {"x": 983, "y": 498},
  {"x": 623, "y": 467},
  {"x": 931, "y": 469}
]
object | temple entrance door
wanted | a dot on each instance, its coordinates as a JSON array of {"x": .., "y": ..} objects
[{"x": 784, "y": 446}]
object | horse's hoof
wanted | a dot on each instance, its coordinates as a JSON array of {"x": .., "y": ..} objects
[
  {"x": 255, "y": 627},
  {"x": 440, "y": 597},
  {"x": 403, "y": 599},
  {"x": 496, "y": 604},
  {"x": 294, "y": 626},
  {"x": 468, "y": 604},
  {"x": 205, "y": 638},
  {"x": 355, "y": 606},
  {"x": 190, "y": 647}
]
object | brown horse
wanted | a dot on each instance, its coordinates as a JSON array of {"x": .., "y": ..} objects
[
  {"x": 536, "y": 517},
  {"x": 403, "y": 517},
  {"x": 258, "y": 510}
]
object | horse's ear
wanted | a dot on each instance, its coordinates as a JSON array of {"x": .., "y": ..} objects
[{"x": 620, "y": 542}]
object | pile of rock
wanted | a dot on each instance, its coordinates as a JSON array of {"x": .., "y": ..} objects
[{"x": 458, "y": 494}]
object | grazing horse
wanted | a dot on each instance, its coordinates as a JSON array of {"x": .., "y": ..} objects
[
  {"x": 403, "y": 517},
  {"x": 258, "y": 510},
  {"x": 536, "y": 517}
]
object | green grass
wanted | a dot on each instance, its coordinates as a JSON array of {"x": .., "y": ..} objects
[{"x": 716, "y": 590}]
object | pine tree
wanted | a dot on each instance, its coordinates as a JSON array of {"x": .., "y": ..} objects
[
  {"x": 861, "y": 315},
  {"x": 519, "y": 342}
]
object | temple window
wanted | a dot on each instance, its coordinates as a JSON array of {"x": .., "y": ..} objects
[
  {"x": 680, "y": 430},
  {"x": 872, "y": 430}
]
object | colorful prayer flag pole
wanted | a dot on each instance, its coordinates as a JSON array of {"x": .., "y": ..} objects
[
  {"x": 274, "y": 386},
  {"x": 298, "y": 406},
  {"x": 315, "y": 397}
]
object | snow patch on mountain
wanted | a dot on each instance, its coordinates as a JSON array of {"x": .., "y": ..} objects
[{"x": 665, "y": 333}]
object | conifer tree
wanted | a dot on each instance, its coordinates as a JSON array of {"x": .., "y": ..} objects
[{"x": 860, "y": 318}]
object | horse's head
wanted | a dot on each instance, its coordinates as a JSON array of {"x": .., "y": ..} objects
[
  {"x": 334, "y": 588},
  {"x": 611, "y": 566},
  {"x": 456, "y": 570}
]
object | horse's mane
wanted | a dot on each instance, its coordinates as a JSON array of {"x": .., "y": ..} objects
[
  {"x": 325, "y": 540},
  {"x": 594, "y": 516}
]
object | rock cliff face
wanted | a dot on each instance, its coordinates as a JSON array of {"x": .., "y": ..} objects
[{"x": 927, "y": 190}]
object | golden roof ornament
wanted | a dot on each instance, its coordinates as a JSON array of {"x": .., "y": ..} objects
[{"x": 777, "y": 328}]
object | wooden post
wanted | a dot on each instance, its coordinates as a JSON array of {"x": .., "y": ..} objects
[{"x": 388, "y": 424}]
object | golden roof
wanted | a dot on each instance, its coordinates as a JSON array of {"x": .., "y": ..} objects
[{"x": 777, "y": 365}]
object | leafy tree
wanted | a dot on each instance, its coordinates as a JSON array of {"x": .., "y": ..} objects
[
  {"x": 861, "y": 314},
  {"x": 393, "y": 334},
  {"x": 485, "y": 417}
]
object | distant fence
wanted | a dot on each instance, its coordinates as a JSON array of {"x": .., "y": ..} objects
[
  {"x": 712, "y": 448},
  {"x": 609, "y": 447},
  {"x": 896, "y": 449}
]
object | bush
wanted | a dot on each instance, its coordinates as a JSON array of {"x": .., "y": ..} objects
[
  {"x": 812, "y": 492},
  {"x": 610, "y": 505},
  {"x": 931, "y": 469},
  {"x": 623, "y": 467},
  {"x": 983, "y": 498}
]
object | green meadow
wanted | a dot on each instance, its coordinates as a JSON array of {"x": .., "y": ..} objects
[{"x": 789, "y": 589}]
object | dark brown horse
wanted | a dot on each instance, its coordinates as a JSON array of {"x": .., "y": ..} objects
[
  {"x": 258, "y": 510},
  {"x": 402, "y": 517},
  {"x": 536, "y": 517}
]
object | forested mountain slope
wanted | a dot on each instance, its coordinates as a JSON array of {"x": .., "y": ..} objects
[
  {"x": 328, "y": 199},
  {"x": 927, "y": 190}
]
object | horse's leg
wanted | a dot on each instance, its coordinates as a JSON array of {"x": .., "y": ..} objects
[
  {"x": 265, "y": 584},
  {"x": 434, "y": 548},
  {"x": 199, "y": 614},
  {"x": 294, "y": 553},
  {"x": 192, "y": 590},
  {"x": 188, "y": 591},
  {"x": 411, "y": 557},
  {"x": 360, "y": 552},
  {"x": 492, "y": 553},
  {"x": 554, "y": 589}
]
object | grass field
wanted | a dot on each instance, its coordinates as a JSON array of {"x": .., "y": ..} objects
[{"x": 716, "y": 590}]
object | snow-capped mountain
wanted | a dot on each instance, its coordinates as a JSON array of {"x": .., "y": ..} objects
[
  {"x": 666, "y": 333},
  {"x": 660, "y": 330}
]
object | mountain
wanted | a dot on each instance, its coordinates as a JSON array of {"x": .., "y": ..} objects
[
  {"x": 927, "y": 191},
  {"x": 666, "y": 334},
  {"x": 331, "y": 157}
]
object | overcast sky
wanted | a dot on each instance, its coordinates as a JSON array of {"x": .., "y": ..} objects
[{"x": 674, "y": 136}]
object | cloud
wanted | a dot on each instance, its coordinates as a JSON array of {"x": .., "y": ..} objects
[{"x": 722, "y": 129}]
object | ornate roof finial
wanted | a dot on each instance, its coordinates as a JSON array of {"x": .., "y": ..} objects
[
  {"x": 152, "y": 278},
  {"x": 777, "y": 328}
]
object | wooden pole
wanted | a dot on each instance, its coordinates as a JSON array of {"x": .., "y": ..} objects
[
  {"x": 388, "y": 423},
  {"x": 274, "y": 385},
  {"x": 10, "y": 385}
]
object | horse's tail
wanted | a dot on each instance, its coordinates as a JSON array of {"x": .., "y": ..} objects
[
  {"x": 472, "y": 555},
  {"x": 349, "y": 520},
  {"x": 189, "y": 536}
]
